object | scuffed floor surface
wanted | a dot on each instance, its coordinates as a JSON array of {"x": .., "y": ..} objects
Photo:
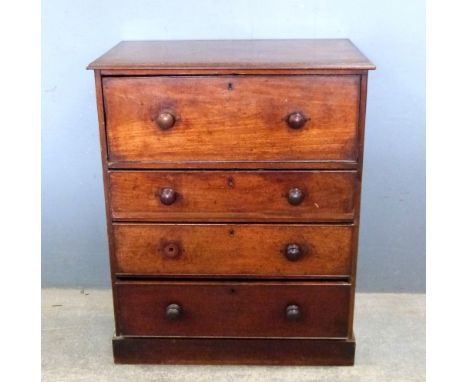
[{"x": 77, "y": 327}]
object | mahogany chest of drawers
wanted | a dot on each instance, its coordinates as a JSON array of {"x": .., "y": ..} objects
[{"x": 232, "y": 174}]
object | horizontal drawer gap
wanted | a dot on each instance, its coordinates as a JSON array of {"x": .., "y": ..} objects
[
  {"x": 239, "y": 337},
  {"x": 122, "y": 279},
  {"x": 224, "y": 72},
  {"x": 266, "y": 222},
  {"x": 228, "y": 169}
]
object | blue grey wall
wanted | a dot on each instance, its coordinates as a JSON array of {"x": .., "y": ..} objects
[{"x": 390, "y": 33}]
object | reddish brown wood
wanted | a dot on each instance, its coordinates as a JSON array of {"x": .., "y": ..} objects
[
  {"x": 216, "y": 119},
  {"x": 134, "y": 350},
  {"x": 233, "y": 195},
  {"x": 232, "y": 250},
  {"x": 233, "y": 309},
  {"x": 105, "y": 177},
  {"x": 231, "y": 106},
  {"x": 362, "y": 121},
  {"x": 217, "y": 55},
  {"x": 219, "y": 72}
]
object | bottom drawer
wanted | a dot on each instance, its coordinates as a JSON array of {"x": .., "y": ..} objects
[{"x": 233, "y": 309}]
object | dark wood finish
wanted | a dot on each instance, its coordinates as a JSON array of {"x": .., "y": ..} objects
[
  {"x": 220, "y": 72},
  {"x": 279, "y": 108},
  {"x": 294, "y": 252},
  {"x": 233, "y": 195},
  {"x": 293, "y": 312},
  {"x": 165, "y": 120},
  {"x": 234, "y": 309},
  {"x": 217, "y": 120},
  {"x": 357, "y": 195},
  {"x": 296, "y": 120},
  {"x": 167, "y": 196},
  {"x": 173, "y": 312},
  {"x": 295, "y": 196},
  {"x": 105, "y": 177},
  {"x": 234, "y": 55},
  {"x": 138, "y": 350},
  {"x": 233, "y": 250}
]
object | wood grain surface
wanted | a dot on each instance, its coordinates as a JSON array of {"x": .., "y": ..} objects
[
  {"x": 249, "y": 351},
  {"x": 216, "y": 55},
  {"x": 209, "y": 196},
  {"x": 233, "y": 309},
  {"x": 232, "y": 250},
  {"x": 231, "y": 118}
]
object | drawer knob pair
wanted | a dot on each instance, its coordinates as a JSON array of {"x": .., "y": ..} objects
[
  {"x": 168, "y": 196},
  {"x": 293, "y": 252},
  {"x": 174, "y": 312},
  {"x": 167, "y": 120}
]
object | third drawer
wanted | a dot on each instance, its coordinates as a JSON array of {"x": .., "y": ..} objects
[{"x": 234, "y": 250}]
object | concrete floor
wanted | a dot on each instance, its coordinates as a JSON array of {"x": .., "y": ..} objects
[{"x": 77, "y": 327}]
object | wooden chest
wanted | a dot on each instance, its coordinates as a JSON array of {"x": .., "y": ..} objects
[{"x": 232, "y": 174}]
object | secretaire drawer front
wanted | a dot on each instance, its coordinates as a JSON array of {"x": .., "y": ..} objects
[
  {"x": 267, "y": 250},
  {"x": 233, "y": 309},
  {"x": 231, "y": 118},
  {"x": 209, "y": 196}
]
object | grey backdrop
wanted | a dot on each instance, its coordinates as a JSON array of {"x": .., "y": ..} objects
[{"x": 390, "y": 33}]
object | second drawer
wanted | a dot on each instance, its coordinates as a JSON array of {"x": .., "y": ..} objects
[
  {"x": 208, "y": 196},
  {"x": 241, "y": 250}
]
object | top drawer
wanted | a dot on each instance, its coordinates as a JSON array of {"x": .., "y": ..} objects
[{"x": 254, "y": 119}]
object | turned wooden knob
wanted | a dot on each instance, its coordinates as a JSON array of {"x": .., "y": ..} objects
[
  {"x": 293, "y": 312},
  {"x": 296, "y": 120},
  {"x": 167, "y": 196},
  {"x": 165, "y": 120},
  {"x": 293, "y": 252},
  {"x": 173, "y": 312},
  {"x": 295, "y": 196},
  {"x": 171, "y": 250}
]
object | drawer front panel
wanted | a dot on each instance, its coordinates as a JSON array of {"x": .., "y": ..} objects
[
  {"x": 231, "y": 118},
  {"x": 233, "y": 250},
  {"x": 233, "y": 195},
  {"x": 233, "y": 309}
]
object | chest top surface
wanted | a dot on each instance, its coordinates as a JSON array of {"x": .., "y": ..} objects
[{"x": 308, "y": 54}]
